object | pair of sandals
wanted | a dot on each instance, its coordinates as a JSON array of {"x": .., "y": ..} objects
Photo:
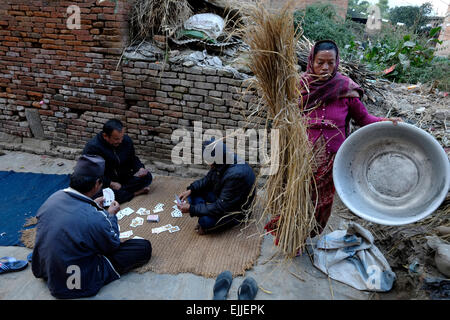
[
  {"x": 11, "y": 264},
  {"x": 247, "y": 290}
]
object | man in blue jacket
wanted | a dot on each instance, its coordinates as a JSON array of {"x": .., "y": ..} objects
[
  {"x": 124, "y": 172},
  {"x": 220, "y": 199},
  {"x": 77, "y": 249}
]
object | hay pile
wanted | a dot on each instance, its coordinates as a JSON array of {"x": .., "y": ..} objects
[
  {"x": 272, "y": 40},
  {"x": 151, "y": 17}
]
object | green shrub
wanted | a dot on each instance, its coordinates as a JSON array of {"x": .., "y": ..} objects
[
  {"x": 413, "y": 57},
  {"x": 320, "y": 21},
  {"x": 412, "y": 53}
]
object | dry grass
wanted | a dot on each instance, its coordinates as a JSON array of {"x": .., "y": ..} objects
[
  {"x": 150, "y": 17},
  {"x": 272, "y": 40}
]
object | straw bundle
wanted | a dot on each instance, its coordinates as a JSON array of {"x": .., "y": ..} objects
[
  {"x": 272, "y": 39},
  {"x": 150, "y": 17}
]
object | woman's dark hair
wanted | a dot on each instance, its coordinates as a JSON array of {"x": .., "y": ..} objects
[
  {"x": 112, "y": 125},
  {"x": 83, "y": 184},
  {"x": 325, "y": 45}
]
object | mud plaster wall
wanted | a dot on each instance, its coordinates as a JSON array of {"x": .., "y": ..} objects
[{"x": 78, "y": 76}]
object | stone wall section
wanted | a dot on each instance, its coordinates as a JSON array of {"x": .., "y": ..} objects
[{"x": 58, "y": 86}]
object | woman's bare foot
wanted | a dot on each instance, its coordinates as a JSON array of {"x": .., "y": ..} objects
[
  {"x": 199, "y": 230},
  {"x": 145, "y": 190}
]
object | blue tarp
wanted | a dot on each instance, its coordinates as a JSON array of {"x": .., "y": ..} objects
[{"x": 21, "y": 195}]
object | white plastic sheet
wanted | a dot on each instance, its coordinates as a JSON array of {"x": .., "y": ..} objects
[
  {"x": 211, "y": 24},
  {"x": 349, "y": 256}
]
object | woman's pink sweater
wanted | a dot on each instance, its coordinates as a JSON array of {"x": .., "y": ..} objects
[{"x": 331, "y": 121}]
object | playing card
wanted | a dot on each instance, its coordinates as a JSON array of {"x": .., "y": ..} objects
[
  {"x": 119, "y": 215},
  {"x": 108, "y": 197},
  {"x": 137, "y": 237},
  {"x": 158, "y": 230},
  {"x": 174, "y": 229},
  {"x": 158, "y": 208},
  {"x": 176, "y": 213},
  {"x": 138, "y": 221},
  {"x": 177, "y": 199},
  {"x": 127, "y": 211},
  {"x": 141, "y": 211},
  {"x": 126, "y": 234}
]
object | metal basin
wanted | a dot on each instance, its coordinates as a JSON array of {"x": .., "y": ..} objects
[{"x": 391, "y": 175}]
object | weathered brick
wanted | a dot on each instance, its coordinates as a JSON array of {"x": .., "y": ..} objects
[
  {"x": 204, "y": 85},
  {"x": 199, "y": 92},
  {"x": 215, "y": 101},
  {"x": 189, "y": 97}
]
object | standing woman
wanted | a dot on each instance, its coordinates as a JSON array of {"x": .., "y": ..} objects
[{"x": 329, "y": 99}]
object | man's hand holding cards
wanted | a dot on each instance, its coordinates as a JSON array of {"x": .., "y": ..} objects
[
  {"x": 108, "y": 197},
  {"x": 182, "y": 205}
]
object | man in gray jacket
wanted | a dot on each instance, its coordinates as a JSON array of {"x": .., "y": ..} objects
[{"x": 77, "y": 248}]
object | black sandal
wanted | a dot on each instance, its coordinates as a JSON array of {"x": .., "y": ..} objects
[
  {"x": 222, "y": 285},
  {"x": 248, "y": 289}
]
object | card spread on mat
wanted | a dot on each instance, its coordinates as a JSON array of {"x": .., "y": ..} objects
[
  {"x": 141, "y": 211},
  {"x": 162, "y": 229},
  {"x": 126, "y": 234},
  {"x": 119, "y": 215},
  {"x": 158, "y": 208},
  {"x": 126, "y": 211},
  {"x": 176, "y": 213},
  {"x": 158, "y": 230},
  {"x": 138, "y": 221}
]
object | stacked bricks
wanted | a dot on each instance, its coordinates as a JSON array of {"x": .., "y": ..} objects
[
  {"x": 162, "y": 101},
  {"x": 77, "y": 80},
  {"x": 61, "y": 72}
]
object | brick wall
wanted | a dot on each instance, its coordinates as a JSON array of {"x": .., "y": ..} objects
[
  {"x": 74, "y": 80},
  {"x": 73, "y": 71}
]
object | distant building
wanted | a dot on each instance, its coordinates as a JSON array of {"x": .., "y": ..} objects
[
  {"x": 443, "y": 50},
  {"x": 373, "y": 24},
  {"x": 357, "y": 16}
]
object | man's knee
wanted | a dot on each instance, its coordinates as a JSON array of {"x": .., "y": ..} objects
[
  {"x": 147, "y": 249},
  {"x": 148, "y": 179},
  {"x": 207, "y": 222}
]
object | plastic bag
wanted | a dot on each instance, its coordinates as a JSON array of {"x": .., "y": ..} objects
[{"x": 211, "y": 24}]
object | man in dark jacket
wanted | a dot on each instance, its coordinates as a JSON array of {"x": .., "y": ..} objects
[
  {"x": 77, "y": 249},
  {"x": 221, "y": 197},
  {"x": 124, "y": 172}
]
